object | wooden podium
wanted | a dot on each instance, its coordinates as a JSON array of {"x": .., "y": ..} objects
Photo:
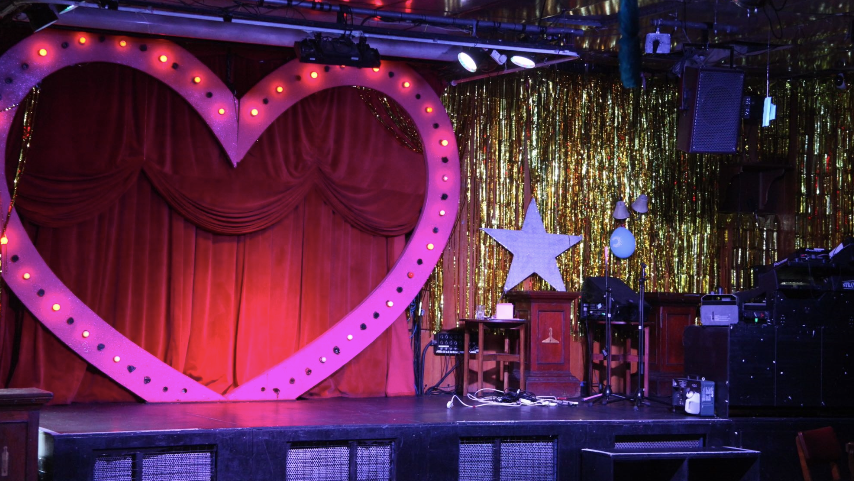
[{"x": 554, "y": 354}]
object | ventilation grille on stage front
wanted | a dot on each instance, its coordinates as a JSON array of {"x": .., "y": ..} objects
[
  {"x": 177, "y": 467},
  {"x": 508, "y": 459},
  {"x": 671, "y": 442},
  {"x": 114, "y": 468},
  {"x": 185, "y": 463},
  {"x": 343, "y": 461}
]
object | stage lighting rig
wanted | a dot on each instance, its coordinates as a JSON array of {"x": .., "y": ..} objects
[{"x": 338, "y": 51}]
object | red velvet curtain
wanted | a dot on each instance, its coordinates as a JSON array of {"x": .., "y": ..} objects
[{"x": 220, "y": 271}]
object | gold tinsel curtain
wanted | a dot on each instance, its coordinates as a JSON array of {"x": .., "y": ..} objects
[{"x": 577, "y": 143}]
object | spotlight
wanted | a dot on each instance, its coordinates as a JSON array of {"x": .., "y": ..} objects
[
  {"x": 839, "y": 81},
  {"x": 338, "y": 51},
  {"x": 522, "y": 61},
  {"x": 469, "y": 59},
  {"x": 40, "y": 16}
]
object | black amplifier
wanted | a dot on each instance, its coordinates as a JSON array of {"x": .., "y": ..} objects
[{"x": 450, "y": 343}]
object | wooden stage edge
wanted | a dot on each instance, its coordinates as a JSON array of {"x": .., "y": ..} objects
[{"x": 406, "y": 438}]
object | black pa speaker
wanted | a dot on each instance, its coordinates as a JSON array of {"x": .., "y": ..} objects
[
  {"x": 710, "y": 112},
  {"x": 624, "y": 300}
]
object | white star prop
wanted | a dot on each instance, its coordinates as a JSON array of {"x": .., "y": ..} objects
[{"x": 534, "y": 250}]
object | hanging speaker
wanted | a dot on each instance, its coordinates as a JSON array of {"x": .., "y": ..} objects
[{"x": 710, "y": 112}]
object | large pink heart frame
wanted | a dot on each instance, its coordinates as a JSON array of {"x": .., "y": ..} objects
[{"x": 236, "y": 123}]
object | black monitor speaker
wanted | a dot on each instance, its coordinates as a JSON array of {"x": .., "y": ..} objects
[
  {"x": 624, "y": 300},
  {"x": 710, "y": 111}
]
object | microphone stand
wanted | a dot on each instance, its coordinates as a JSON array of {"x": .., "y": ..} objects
[
  {"x": 606, "y": 393},
  {"x": 639, "y": 395},
  {"x": 640, "y": 398}
]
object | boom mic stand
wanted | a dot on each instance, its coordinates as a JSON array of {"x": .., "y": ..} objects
[{"x": 606, "y": 393}]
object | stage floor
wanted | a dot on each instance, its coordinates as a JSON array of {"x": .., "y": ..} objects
[
  {"x": 395, "y": 438},
  {"x": 344, "y": 412}
]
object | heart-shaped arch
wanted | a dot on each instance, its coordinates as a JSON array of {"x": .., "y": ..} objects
[{"x": 236, "y": 123}]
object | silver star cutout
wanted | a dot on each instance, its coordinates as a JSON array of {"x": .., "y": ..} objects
[{"x": 534, "y": 250}]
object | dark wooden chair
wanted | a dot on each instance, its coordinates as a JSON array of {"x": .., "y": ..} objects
[{"x": 819, "y": 447}]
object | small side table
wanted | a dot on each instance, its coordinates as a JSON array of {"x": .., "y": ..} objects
[
  {"x": 19, "y": 432},
  {"x": 468, "y": 325}
]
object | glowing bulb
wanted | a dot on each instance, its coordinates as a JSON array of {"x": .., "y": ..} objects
[
  {"x": 406, "y": 84},
  {"x": 280, "y": 89},
  {"x": 4, "y": 240},
  {"x": 85, "y": 333},
  {"x": 429, "y": 110},
  {"x": 444, "y": 178},
  {"x": 221, "y": 111},
  {"x": 26, "y": 276},
  {"x": 349, "y": 337},
  {"x": 430, "y": 247},
  {"x": 123, "y": 43},
  {"x": 323, "y": 359},
  {"x": 81, "y": 40},
  {"x": 443, "y": 142},
  {"x": 197, "y": 79},
  {"x": 376, "y": 69},
  {"x": 389, "y": 303},
  {"x": 410, "y": 275},
  {"x": 42, "y": 52},
  {"x": 441, "y": 212},
  {"x": 117, "y": 359},
  {"x": 253, "y": 112},
  {"x": 313, "y": 75},
  {"x": 163, "y": 58},
  {"x": 55, "y": 307}
]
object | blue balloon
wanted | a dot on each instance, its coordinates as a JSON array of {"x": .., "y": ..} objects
[{"x": 622, "y": 242}]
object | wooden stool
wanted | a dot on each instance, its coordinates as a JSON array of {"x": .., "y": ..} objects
[{"x": 508, "y": 325}]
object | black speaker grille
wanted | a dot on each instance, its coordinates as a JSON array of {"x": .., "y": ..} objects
[
  {"x": 713, "y": 112},
  {"x": 114, "y": 468},
  {"x": 373, "y": 462},
  {"x": 178, "y": 466},
  {"x": 529, "y": 460},
  {"x": 321, "y": 463},
  {"x": 476, "y": 461}
]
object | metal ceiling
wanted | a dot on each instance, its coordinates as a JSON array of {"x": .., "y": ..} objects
[{"x": 788, "y": 38}]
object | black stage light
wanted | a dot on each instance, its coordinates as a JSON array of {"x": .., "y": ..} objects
[{"x": 338, "y": 51}]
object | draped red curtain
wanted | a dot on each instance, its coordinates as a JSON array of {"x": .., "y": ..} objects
[{"x": 219, "y": 271}]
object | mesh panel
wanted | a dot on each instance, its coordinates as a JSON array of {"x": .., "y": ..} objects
[
  {"x": 529, "y": 460},
  {"x": 660, "y": 444},
  {"x": 718, "y": 111},
  {"x": 476, "y": 461},
  {"x": 113, "y": 468},
  {"x": 193, "y": 466},
  {"x": 373, "y": 462},
  {"x": 328, "y": 463}
]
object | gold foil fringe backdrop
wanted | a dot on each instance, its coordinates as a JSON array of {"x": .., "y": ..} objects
[{"x": 577, "y": 143}]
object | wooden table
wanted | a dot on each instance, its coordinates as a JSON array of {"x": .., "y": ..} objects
[{"x": 482, "y": 325}]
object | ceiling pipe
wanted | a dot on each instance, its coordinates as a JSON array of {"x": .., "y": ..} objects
[
  {"x": 390, "y": 43},
  {"x": 695, "y": 25},
  {"x": 386, "y": 15}
]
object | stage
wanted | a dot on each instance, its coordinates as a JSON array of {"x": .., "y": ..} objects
[{"x": 407, "y": 438}]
